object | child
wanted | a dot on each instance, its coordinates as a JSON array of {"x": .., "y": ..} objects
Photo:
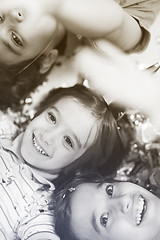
[
  {"x": 29, "y": 51},
  {"x": 94, "y": 208},
  {"x": 50, "y": 17},
  {"x": 15, "y": 82},
  {"x": 71, "y": 122}
]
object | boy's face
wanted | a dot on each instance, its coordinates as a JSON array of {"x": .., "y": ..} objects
[
  {"x": 58, "y": 136},
  {"x": 119, "y": 211},
  {"x": 26, "y": 28}
]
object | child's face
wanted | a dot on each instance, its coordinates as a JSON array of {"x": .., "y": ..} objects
[
  {"x": 26, "y": 28},
  {"x": 119, "y": 211},
  {"x": 58, "y": 136}
]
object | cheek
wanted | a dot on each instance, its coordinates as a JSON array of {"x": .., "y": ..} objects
[
  {"x": 25, "y": 152},
  {"x": 77, "y": 154},
  {"x": 66, "y": 158},
  {"x": 43, "y": 35},
  {"x": 126, "y": 231},
  {"x": 37, "y": 124},
  {"x": 120, "y": 229}
]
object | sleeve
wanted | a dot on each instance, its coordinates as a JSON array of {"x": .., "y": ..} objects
[
  {"x": 40, "y": 227},
  {"x": 143, "y": 43},
  {"x": 144, "y": 12},
  {"x": 8, "y": 129}
]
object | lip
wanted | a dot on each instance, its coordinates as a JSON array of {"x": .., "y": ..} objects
[
  {"x": 140, "y": 209},
  {"x": 38, "y": 147}
]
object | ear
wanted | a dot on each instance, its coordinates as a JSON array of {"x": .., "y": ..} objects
[{"x": 48, "y": 60}]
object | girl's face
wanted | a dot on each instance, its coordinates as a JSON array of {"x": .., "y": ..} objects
[
  {"x": 119, "y": 211},
  {"x": 26, "y": 28},
  {"x": 58, "y": 136}
]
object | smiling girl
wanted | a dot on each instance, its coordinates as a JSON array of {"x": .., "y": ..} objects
[
  {"x": 73, "y": 127},
  {"x": 90, "y": 207}
]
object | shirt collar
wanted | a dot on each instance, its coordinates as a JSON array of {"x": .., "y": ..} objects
[{"x": 15, "y": 146}]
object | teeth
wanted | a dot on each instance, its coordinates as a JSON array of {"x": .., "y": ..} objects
[
  {"x": 140, "y": 210},
  {"x": 38, "y": 148}
]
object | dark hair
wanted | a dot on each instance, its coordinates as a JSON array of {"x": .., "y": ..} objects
[
  {"x": 106, "y": 152},
  {"x": 16, "y": 85},
  {"x": 62, "y": 201}
]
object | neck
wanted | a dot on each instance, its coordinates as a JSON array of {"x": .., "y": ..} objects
[{"x": 50, "y": 176}]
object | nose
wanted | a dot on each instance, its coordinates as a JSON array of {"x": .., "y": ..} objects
[
  {"x": 52, "y": 135},
  {"x": 125, "y": 202},
  {"x": 122, "y": 203},
  {"x": 16, "y": 15},
  {"x": 48, "y": 137}
]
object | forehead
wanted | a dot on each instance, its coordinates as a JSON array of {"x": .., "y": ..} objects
[
  {"x": 82, "y": 210},
  {"x": 76, "y": 111},
  {"x": 82, "y": 205},
  {"x": 71, "y": 103},
  {"x": 74, "y": 108},
  {"x": 77, "y": 119},
  {"x": 84, "y": 192}
]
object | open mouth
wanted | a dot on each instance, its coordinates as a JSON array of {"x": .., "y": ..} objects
[
  {"x": 141, "y": 210},
  {"x": 37, "y": 147}
]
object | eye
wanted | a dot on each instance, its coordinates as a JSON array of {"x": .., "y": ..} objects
[
  {"x": 16, "y": 39},
  {"x": 68, "y": 141},
  {"x": 52, "y": 118},
  {"x": 109, "y": 190},
  {"x": 104, "y": 219},
  {"x": 1, "y": 19},
  {"x": 19, "y": 14}
]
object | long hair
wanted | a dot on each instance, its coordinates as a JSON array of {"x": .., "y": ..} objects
[
  {"x": 106, "y": 152},
  {"x": 14, "y": 86}
]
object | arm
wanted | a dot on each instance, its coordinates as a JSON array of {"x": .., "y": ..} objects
[
  {"x": 40, "y": 227},
  {"x": 117, "y": 77},
  {"x": 99, "y": 19}
]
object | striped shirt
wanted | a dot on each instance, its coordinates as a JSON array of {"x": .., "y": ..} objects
[{"x": 24, "y": 199}]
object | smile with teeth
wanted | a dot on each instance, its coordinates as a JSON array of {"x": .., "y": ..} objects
[
  {"x": 37, "y": 147},
  {"x": 141, "y": 210}
]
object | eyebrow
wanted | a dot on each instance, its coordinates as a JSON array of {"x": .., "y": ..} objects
[
  {"x": 94, "y": 223},
  {"x": 89, "y": 135},
  {"x": 75, "y": 136},
  {"x": 77, "y": 140},
  {"x": 11, "y": 48}
]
